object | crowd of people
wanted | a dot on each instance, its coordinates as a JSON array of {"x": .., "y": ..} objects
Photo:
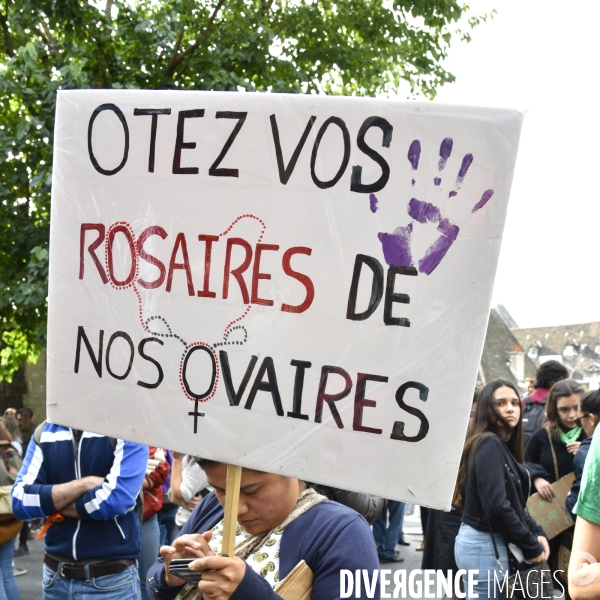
[
  {"x": 16, "y": 429},
  {"x": 516, "y": 447},
  {"x": 115, "y": 514}
]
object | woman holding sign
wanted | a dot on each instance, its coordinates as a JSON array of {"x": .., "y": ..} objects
[
  {"x": 492, "y": 488},
  {"x": 280, "y": 523},
  {"x": 554, "y": 445}
]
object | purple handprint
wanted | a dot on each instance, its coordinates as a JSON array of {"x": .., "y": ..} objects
[{"x": 396, "y": 246}]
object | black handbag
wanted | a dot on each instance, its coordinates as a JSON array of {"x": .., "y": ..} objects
[
  {"x": 533, "y": 581},
  {"x": 528, "y": 581}
]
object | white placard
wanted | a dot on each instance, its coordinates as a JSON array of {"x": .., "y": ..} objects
[{"x": 297, "y": 284}]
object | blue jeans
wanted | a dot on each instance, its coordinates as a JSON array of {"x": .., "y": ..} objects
[
  {"x": 474, "y": 549},
  {"x": 8, "y": 585},
  {"x": 166, "y": 521},
  {"x": 122, "y": 586},
  {"x": 150, "y": 546},
  {"x": 386, "y": 535}
]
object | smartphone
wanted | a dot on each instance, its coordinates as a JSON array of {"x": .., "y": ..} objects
[{"x": 180, "y": 568}]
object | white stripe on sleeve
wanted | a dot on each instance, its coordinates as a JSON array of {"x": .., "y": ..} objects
[{"x": 110, "y": 483}]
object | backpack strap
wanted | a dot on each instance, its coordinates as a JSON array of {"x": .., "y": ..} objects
[
  {"x": 553, "y": 455},
  {"x": 37, "y": 434}
]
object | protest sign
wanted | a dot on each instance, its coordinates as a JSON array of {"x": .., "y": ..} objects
[
  {"x": 297, "y": 284},
  {"x": 553, "y": 517}
]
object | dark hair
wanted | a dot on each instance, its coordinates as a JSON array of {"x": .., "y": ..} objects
[
  {"x": 205, "y": 462},
  {"x": 549, "y": 373},
  {"x": 488, "y": 421},
  {"x": 562, "y": 389},
  {"x": 26, "y": 412},
  {"x": 590, "y": 403}
]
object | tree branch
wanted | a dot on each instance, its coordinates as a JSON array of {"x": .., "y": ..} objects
[
  {"x": 177, "y": 45},
  {"x": 7, "y": 37},
  {"x": 108, "y": 9},
  {"x": 178, "y": 58},
  {"x": 46, "y": 36}
]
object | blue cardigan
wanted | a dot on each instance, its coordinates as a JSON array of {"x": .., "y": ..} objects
[
  {"x": 329, "y": 537},
  {"x": 578, "y": 464}
]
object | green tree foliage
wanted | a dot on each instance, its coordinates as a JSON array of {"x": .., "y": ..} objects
[{"x": 360, "y": 47}]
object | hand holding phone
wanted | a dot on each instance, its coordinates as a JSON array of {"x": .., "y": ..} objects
[
  {"x": 180, "y": 567},
  {"x": 186, "y": 548}
]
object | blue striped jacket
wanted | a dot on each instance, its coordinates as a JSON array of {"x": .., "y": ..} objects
[{"x": 109, "y": 527}]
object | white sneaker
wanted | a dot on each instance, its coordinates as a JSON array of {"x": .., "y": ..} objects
[{"x": 17, "y": 571}]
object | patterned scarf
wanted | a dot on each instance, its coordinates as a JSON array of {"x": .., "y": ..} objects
[{"x": 306, "y": 500}]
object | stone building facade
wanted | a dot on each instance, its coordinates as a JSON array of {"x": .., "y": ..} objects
[{"x": 28, "y": 388}]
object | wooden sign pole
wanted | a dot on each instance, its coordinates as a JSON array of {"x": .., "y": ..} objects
[{"x": 232, "y": 500}]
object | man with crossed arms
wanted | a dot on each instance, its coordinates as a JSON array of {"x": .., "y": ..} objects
[{"x": 86, "y": 485}]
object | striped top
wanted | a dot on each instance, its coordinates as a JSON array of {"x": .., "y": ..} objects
[{"x": 109, "y": 525}]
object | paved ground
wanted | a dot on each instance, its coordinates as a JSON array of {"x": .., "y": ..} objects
[
  {"x": 30, "y": 585},
  {"x": 412, "y": 558}
]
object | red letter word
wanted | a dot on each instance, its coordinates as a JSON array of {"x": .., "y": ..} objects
[
  {"x": 256, "y": 274},
  {"x": 303, "y": 279},
  {"x": 180, "y": 241},
  {"x": 91, "y": 248},
  {"x": 209, "y": 239},
  {"x": 237, "y": 273},
  {"x": 149, "y": 231},
  {"x": 109, "y": 255}
]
